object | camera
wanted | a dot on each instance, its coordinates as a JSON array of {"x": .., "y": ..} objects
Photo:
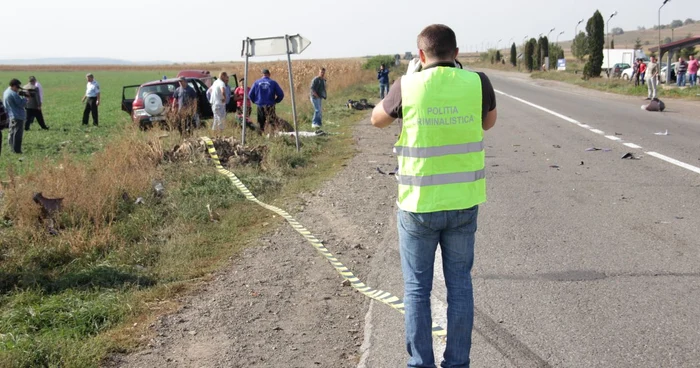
[{"x": 23, "y": 93}]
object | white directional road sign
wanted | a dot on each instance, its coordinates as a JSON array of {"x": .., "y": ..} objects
[{"x": 276, "y": 46}]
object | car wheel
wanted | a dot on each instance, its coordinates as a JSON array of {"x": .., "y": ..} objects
[
  {"x": 153, "y": 104},
  {"x": 625, "y": 77}
]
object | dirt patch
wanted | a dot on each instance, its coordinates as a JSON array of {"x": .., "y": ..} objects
[
  {"x": 281, "y": 304},
  {"x": 231, "y": 153}
]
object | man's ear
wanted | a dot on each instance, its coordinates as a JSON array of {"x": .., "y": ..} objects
[{"x": 421, "y": 56}]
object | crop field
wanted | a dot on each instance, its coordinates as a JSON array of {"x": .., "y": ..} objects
[
  {"x": 72, "y": 296},
  {"x": 64, "y": 87}
]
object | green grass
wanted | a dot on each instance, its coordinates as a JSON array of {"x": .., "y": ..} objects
[
  {"x": 63, "y": 112},
  {"x": 70, "y": 300}
]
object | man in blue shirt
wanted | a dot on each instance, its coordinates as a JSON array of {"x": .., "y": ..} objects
[
  {"x": 15, "y": 101},
  {"x": 266, "y": 93},
  {"x": 383, "y": 77}
]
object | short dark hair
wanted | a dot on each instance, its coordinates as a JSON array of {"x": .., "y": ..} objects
[{"x": 437, "y": 41}]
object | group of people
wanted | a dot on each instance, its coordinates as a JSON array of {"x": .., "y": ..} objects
[
  {"x": 21, "y": 105},
  {"x": 638, "y": 72},
  {"x": 687, "y": 69},
  {"x": 265, "y": 93}
]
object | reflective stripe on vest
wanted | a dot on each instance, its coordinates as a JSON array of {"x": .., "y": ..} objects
[
  {"x": 425, "y": 152},
  {"x": 440, "y": 149}
]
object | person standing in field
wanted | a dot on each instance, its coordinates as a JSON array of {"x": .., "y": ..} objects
[
  {"x": 318, "y": 93},
  {"x": 91, "y": 99},
  {"x": 266, "y": 93},
  {"x": 15, "y": 101},
  {"x": 218, "y": 101},
  {"x": 652, "y": 78},
  {"x": 185, "y": 103},
  {"x": 383, "y": 77},
  {"x": 441, "y": 183},
  {"x": 238, "y": 96},
  {"x": 692, "y": 71},
  {"x": 34, "y": 105}
]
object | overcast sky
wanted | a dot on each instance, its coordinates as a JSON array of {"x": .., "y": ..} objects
[{"x": 212, "y": 30}]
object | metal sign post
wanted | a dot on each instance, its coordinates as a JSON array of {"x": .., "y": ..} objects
[
  {"x": 270, "y": 46},
  {"x": 245, "y": 93}
]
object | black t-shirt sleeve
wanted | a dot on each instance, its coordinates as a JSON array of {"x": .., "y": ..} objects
[
  {"x": 393, "y": 104},
  {"x": 488, "y": 95},
  {"x": 392, "y": 101}
]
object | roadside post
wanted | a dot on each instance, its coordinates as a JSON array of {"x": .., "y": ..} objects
[{"x": 270, "y": 46}]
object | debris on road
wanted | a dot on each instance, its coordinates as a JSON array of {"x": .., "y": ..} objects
[
  {"x": 662, "y": 133},
  {"x": 554, "y": 166},
  {"x": 629, "y": 156},
  {"x": 390, "y": 173},
  {"x": 598, "y": 149},
  {"x": 556, "y": 146}
]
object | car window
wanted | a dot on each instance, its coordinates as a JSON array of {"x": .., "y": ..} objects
[{"x": 162, "y": 90}]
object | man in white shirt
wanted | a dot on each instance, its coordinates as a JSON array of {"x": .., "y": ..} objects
[
  {"x": 218, "y": 101},
  {"x": 92, "y": 95}
]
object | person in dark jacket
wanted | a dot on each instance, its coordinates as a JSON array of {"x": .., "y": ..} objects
[
  {"x": 318, "y": 93},
  {"x": 266, "y": 93},
  {"x": 34, "y": 105},
  {"x": 383, "y": 77},
  {"x": 681, "y": 70}
]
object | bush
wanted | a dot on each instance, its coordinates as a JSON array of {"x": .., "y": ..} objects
[{"x": 375, "y": 61}]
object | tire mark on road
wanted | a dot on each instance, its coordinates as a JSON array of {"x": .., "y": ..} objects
[{"x": 506, "y": 343}]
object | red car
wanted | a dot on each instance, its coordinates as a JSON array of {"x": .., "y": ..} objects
[{"x": 203, "y": 75}]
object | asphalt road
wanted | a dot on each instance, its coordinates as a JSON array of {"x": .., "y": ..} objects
[{"x": 583, "y": 259}]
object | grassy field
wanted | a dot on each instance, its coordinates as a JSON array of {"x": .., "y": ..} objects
[{"x": 71, "y": 299}]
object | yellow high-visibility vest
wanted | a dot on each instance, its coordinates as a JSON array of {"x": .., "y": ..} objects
[{"x": 440, "y": 149}]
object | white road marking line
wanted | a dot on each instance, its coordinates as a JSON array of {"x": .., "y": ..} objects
[
  {"x": 586, "y": 126},
  {"x": 682, "y": 164},
  {"x": 570, "y": 120},
  {"x": 675, "y": 162},
  {"x": 613, "y": 138}
]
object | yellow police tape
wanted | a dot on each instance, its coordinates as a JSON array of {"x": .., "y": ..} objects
[{"x": 378, "y": 295}]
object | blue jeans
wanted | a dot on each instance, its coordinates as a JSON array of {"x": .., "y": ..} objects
[
  {"x": 419, "y": 235},
  {"x": 383, "y": 90},
  {"x": 317, "y": 111},
  {"x": 693, "y": 79},
  {"x": 680, "y": 79}
]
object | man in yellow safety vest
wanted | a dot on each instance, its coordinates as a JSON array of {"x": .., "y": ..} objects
[{"x": 441, "y": 178}]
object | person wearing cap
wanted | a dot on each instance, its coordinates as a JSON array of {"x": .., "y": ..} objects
[
  {"x": 34, "y": 105},
  {"x": 218, "y": 101},
  {"x": 15, "y": 104},
  {"x": 92, "y": 96},
  {"x": 185, "y": 103},
  {"x": 266, "y": 93}
]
